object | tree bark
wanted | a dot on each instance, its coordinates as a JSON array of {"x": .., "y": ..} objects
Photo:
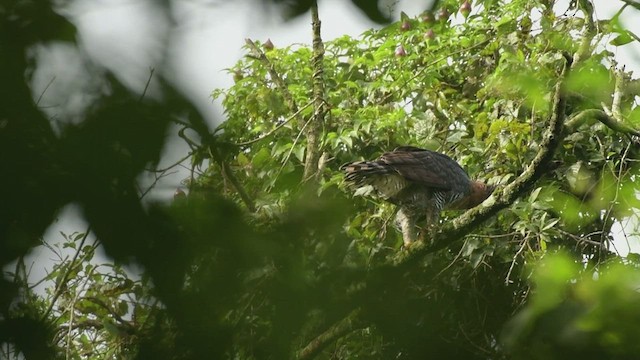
[
  {"x": 345, "y": 326},
  {"x": 314, "y": 128}
]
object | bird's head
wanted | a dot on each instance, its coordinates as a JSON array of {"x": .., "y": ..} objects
[{"x": 479, "y": 192}]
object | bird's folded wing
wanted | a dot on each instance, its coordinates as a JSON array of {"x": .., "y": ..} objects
[{"x": 423, "y": 167}]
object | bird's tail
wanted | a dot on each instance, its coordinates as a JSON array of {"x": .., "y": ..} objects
[{"x": 358, "y": 173}]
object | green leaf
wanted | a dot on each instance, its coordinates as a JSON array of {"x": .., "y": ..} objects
[
  {"x": 622, "y": 39},
  {"x": 299, "y": 152},
  {"x": 534, "y": 195},
  {"x": 261, "y": 158},
  {"x": 110, "y": 327}
]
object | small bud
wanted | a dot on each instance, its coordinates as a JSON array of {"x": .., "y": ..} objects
[
  {"x": 443, "y": 14},
  {"x": 268, "y": 45},
  {"x": 405, "y": 26},
  {"x": 237, "y": 75},
  {"x": 400, "y": 52},
  {"x": 179, "y": 194},
  {"x": 429, "y": 35},
  {"x": 427, "y": 17},
  {"x": 465, "y": 8}
]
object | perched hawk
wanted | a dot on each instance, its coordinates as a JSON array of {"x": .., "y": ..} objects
[{"x": 421, "y": 182}]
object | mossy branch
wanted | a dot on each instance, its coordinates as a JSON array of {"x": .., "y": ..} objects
[
  {"x": 343, "y": 327},
  {"x": 320, "y": 109},
  {"x": 585, "y": 116},
  {"x": 610, "y": 117}
]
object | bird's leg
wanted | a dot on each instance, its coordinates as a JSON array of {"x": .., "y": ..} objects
[
  {"x": 407, "y": 225},
  {"x": 429, "y": 229}
]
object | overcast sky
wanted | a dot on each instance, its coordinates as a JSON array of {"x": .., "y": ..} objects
[{"x": 126, "y": 37}]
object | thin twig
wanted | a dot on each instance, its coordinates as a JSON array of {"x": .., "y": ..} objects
[
  {"x": 606, "y": 225},
  {"x": 275, "y": 77},
  {"x": 431, "y": 64},
  {"x": 146, "y": 86},
  {"x": 286, "y": 159},
  {"x": 515, "y": 258},
  {"x": 172, "y": 165},
  {"x": 155, "y": 181},
  {"x": 65, "y": 278},
  {"x": 285, "y": 122},
  {"x": 45, "y": 90},
  {"x": 583, "y": 239}
]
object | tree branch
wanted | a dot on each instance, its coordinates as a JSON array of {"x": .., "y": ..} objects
[
  {"x": 115, "y": 315},
  {"x": 584, "y": 50},
  {"x": 275, "y": 77},
  {"x": 61, "y": 286},
  {"x": 320, "y": 109},
  {"x": 612, "y": 118},
  {"x": 146, "y": 86},
  {"x": 582, "y": 117},
  {"x": 618, "y": 92},
  {"x": 228, "y": 173},
  {"x": 266, "y": 135},
  {"x": 345, "y": 326},
  {"x": 211, "y": 146}
]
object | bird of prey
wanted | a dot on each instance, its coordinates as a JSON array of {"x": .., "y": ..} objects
[{"x": 420, "y": 182}]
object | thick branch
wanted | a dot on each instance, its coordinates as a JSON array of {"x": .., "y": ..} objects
[
  {"x": 345, "y": 326},
  {"x": 228, "y": 173},
  {"x": 618, "y": 92},
  {"x": 320, "y": 110},
  {"x": 582, "y": 117},
  {"x": 584, "y": 50},
  {"x": 612, "y": 118}
]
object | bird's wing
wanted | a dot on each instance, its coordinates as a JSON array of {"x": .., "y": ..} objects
[
  {"x": 408, "y": 148},
  {"x": 425, "y": 167}
]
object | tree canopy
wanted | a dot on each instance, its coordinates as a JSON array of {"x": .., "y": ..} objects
[{"x": 268, "y": 255}]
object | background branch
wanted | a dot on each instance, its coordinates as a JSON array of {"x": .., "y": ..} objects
[
  {"x": 229, "y": 175},
  {"x": 582, "y": 117},
  {"x": 344, "y": 327},
  {"x": 275, "y": 77},
  {"x": 61, "y": 286}
]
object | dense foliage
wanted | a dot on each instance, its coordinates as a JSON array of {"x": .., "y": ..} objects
[{"x": 263, "y": 259}]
